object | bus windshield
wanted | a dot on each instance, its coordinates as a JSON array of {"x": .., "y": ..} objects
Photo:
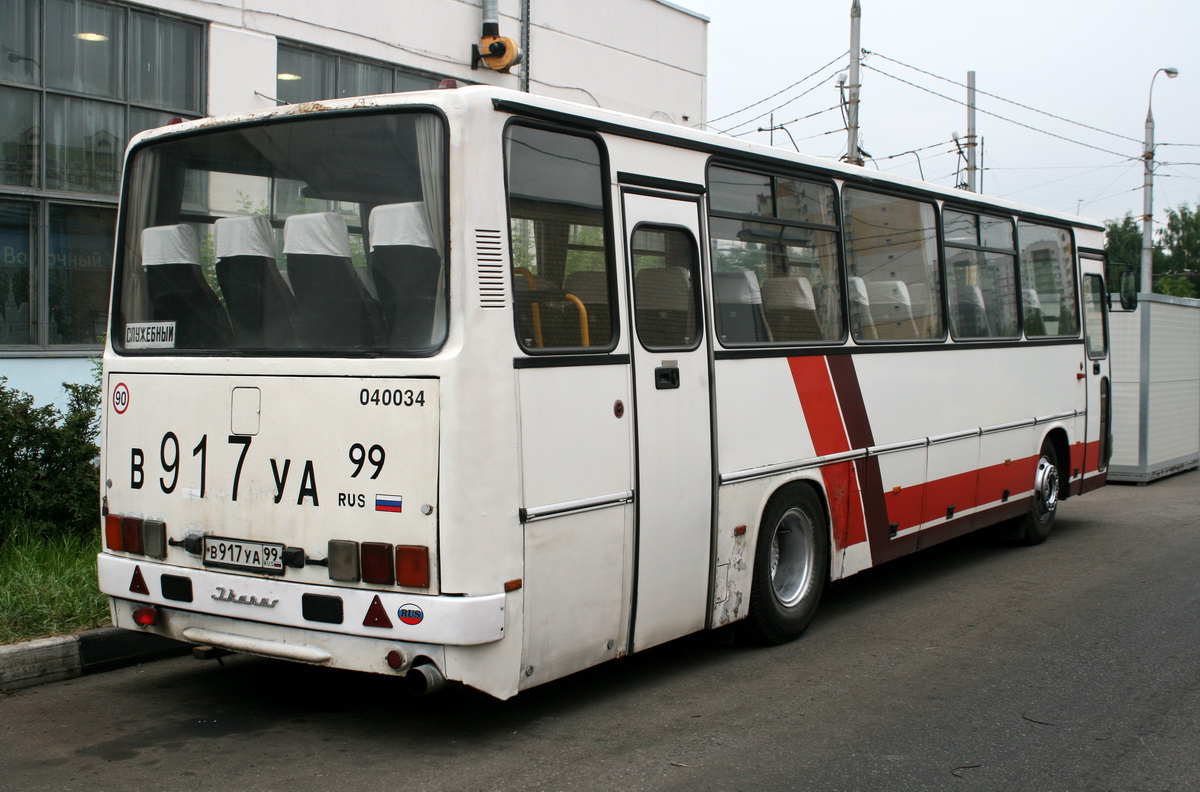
[{"x": 311, "y": 235}]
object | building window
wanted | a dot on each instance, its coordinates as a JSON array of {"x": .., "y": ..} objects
[
  {"x": 308, "y": 75},
  {"x": 77, "y": 80}
]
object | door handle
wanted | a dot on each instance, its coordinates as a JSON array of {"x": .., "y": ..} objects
[{"x": 666, "y": 377}]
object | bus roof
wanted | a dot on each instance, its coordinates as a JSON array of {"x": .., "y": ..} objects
[{"x": 614, "y": 122}]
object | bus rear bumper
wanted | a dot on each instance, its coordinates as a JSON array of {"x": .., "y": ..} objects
[{"x": 283, "y": 606}]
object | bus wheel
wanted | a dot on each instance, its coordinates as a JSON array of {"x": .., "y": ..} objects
[
  {"x": 1036, "y": 524},
  {"x": 791, "y": 565}
]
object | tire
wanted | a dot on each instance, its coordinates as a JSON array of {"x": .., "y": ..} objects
[
  {"x": 1035, "y": 526},
  {"x": 791, "y": 566}
]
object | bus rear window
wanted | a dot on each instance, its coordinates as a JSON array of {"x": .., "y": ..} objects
[{"x": 301, "y": 236}]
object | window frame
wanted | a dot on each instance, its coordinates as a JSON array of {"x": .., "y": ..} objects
[
  {"x": 1014, "y": 253},
  {"x": 837, "y": 230},
  {"x": 610, "y": 239},
  {"x": 928, "y": 199}
]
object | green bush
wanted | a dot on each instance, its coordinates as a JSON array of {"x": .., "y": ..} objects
[{"x": 49, "y": 480}]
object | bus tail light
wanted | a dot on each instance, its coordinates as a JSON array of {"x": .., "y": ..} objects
[
  {"x": 377, "y": 563},
  {"x": 113, "y": 538},
  {"x": 343, "y": 561},
  {"x": 412, "y": 566},
  {"x": 131, "y": 534},
  {"x": 135, "y": 535},
  {"x": 145, "y": 617}
]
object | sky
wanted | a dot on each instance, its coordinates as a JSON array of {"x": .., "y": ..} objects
[{"x": 1088, "y": 61}]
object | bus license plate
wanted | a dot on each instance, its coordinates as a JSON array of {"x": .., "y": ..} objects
[{"x": 239, "y": 554}]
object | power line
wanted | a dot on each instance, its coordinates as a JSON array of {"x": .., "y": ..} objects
[
  {"x": 997, "y": 115},
  {"x": 777, "y": 93},
  {"x": 1009, "y": 101}
]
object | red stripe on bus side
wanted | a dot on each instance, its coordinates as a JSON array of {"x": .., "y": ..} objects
[
  {"x": 820, "y": 405},
  {"x": 823, "y": 415}
]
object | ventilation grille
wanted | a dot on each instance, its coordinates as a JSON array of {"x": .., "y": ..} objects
[{"x": 489, "y": 260}]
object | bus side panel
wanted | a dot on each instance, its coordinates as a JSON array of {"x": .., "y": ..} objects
[{"x": 574, "y": 449}]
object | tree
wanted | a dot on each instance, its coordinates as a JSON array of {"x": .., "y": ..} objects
[
  {"x": 1176, "y": 252},
  {"x": 1178, "y": 273}
]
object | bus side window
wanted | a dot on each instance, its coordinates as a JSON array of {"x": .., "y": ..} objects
[
  {"x": 1048, "y": 280},
  {"x": 891, "y": 245},
  {"x": 558, "y": 232}
]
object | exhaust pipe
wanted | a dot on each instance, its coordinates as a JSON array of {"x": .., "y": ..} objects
[{"x": 421, "y": 680}]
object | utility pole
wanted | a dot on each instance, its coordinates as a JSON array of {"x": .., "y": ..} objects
[
  {"x": 972, "y": 184},
  {"x": 852, "y": 153}
]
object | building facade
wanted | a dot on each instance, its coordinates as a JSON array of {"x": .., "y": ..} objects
[{"x": 79, "y": 78}]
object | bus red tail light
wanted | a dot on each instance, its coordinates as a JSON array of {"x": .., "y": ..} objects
[
  {"x": 412, "y": 566},
  {"x": 113, "y": 538},
  {"x": 377, "y": 563},
  {"x": 131, "y": 533},
  {"x": 145, "y": 617}
]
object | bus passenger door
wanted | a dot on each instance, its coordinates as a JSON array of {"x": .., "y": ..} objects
[
  {"x": 1098, "y": 435},
  {"x": 672, "y": 414}
]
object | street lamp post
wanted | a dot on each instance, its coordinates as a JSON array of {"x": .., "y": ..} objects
[{"x": 1148, "y": 188}]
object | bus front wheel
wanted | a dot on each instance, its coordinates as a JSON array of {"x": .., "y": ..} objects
[
  {"x": 1036, "y": 525},
  {"x": 791, "y": 566}
]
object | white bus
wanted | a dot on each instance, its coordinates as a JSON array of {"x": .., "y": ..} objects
[{"x": 478, "y": 386}]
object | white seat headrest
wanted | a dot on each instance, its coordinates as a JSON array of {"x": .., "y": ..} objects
[
  {"x": 401, "y": 224},
  {"x": 857, "y": 288},
  {"x": 737, "y": 286},
  {"x": 173, "y": 244},
  {"x": 316, "y": 234},
  {"x": 245, "y": 236}
]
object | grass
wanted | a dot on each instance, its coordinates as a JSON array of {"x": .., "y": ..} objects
[{"x": 48, "y": 587}]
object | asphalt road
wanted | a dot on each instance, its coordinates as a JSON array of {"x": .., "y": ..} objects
[{"x": 974, "y": 666}]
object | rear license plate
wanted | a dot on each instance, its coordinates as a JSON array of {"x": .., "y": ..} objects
[{"x": 240, "y": 554}]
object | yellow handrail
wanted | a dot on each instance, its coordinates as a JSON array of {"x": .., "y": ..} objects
[
  {"x": 535, "y": 309},
  {"x": 584, "y": 335}
]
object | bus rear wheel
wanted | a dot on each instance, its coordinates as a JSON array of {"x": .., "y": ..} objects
[
  {"x": 1036, "y": 524},
  {"x": 791, "y": 566}
]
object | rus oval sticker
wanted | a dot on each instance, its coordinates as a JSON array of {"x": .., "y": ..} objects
[{"x": 410, "y": 614}]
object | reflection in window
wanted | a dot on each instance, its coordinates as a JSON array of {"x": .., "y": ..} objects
[
  {"x": 892, "y": 267},
  {"x": 561, "y": 272},
  {"x": 84, "y": 47},
  {"x": 665, "y": 275},
  {"x": 80, "y": 252},
  {"x": 19, "y": 138},
  {"x": 85, "y": 141},
  {"x": 774, "y": 258},
  {"x": 1048, "y": 295},
  {"x": 981, "y": 276},
  {"x": 165, "y": 54},
  {"x": 1095, "y": 329},
  {"x": 20, "y": 42},
  {"x": 18, "y": 272}
]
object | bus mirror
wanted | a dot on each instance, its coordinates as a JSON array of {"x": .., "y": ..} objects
[{"x": 1128, "y": 290}]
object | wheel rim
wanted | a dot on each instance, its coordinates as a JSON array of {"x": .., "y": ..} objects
[
  {"x": 791, "y": 557},
  {"x": 1045, "y": 489}
]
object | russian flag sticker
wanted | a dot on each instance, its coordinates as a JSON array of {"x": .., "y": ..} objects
[{"x": 388, "y": 503}]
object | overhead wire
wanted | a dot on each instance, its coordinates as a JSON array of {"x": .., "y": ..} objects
[
  {"x": 1003, "y": 99},
  {"x": 997, "y": 115},
  {"x": 777, "y": 93}
]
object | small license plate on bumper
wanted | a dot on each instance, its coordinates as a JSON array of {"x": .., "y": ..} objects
[{"x": 240, "y": 554}]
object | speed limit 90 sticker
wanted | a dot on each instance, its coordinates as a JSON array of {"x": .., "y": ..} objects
[{"x": 120, "y": 398}]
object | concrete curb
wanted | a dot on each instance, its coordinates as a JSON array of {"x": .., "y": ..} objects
[{"x": 44, "y": 660}]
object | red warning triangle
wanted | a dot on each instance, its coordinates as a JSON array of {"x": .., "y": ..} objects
[
  {"x": 138, "y": 584},
  {"x": 376, "y": 615}
]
